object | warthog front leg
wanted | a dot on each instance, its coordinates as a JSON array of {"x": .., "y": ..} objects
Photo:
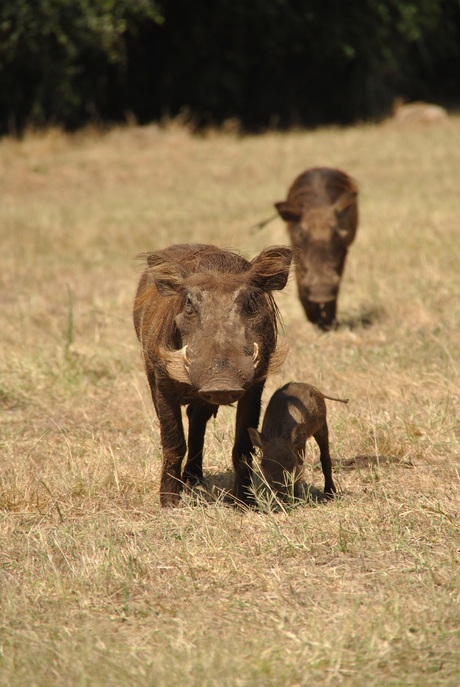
[
  {"x": 322, "y": 439},
  {"x": 198, "y": 416},
  {"x": 173, "y": 446},
  {"x": 247, "y": 415}
]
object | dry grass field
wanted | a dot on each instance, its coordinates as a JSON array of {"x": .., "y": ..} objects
[{"x": 98, "y": 585}]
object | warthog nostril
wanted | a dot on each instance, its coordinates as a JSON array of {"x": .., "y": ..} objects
[{"x": 219, "y": 396}]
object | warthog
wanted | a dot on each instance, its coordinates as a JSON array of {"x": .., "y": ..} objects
[
  {"x": 294, "y": 413},
  {"x": 208, "y": 323},
  {"x": 322, "y": 215}
]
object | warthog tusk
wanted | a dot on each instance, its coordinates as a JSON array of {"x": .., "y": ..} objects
[
  {"x": 255, "y": 355},
  {"x": 186, "y": 357}
]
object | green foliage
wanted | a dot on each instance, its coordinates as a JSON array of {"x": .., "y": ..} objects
[
  {"x": 56, "y": 56},
  {"x": 264, "y": 61},
  {"x": 309, "y": 62}
]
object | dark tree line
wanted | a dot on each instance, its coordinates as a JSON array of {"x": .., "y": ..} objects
[{"x": 265, "y": 62}]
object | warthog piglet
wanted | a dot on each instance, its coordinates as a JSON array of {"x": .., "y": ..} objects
[{"x": 294, "y": 413}]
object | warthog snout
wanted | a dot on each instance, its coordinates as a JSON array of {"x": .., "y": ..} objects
[
  {"x": 220, "y": 394},
  {"x": 321, "y": 314}
]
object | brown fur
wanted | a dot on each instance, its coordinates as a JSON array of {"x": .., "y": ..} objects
[
  {"x": 294, "y": 413},
  {"x": 321, "y": 212},
  {"x": 207, "y": 323}
]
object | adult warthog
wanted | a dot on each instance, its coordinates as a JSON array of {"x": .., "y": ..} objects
[
  {"x": 321, "y": 212},
  {"x": 208, "y": 323}
]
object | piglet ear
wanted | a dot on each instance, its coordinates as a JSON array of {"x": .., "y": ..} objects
[
  {"x": 299, "y": 436},
  {"x": 270, "y": 269},
  {"x": 288, "y": 211},
  {"x": 167, "y": 274},
  {"x": 255, "y": 437}
]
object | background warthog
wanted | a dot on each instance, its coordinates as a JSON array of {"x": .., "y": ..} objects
[
  {"x": 294, "y": 413},
  {"x": 322, "y": 215},
  {"x": 207, "y": 323}
]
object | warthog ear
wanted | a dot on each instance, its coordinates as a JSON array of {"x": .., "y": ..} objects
[
  {"x": 346, "y": 211},
  {"x": 255, "y": 437},
  {"x": 288, "y": 211},
  {"x": 167, "y": 274},
  {"x": 299, "y": 436},
  {"x": 270, "y": 269}
]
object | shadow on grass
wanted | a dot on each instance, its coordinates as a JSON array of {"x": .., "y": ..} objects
[
  {"x": 218, "y": 487},
  {"x": 365, "y": 318},
  {"x": 370, "y": 460}
]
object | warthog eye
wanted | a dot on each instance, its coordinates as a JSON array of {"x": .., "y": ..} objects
[
  {"x": 251, "y": 305},
  {"x": 189, "y": 309}
]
